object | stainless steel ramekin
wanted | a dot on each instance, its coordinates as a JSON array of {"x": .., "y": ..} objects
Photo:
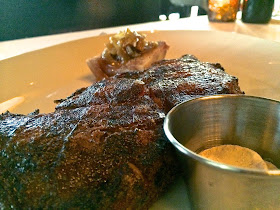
[{"x": 247, "y": 121}]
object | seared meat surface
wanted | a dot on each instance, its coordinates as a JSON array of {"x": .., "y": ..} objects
[{"x": 103, "y": 147}]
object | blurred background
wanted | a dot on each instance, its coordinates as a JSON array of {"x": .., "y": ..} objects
[{"x": 29, "y": 18}]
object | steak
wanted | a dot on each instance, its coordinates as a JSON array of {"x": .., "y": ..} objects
[{"x": 103, "y": 147}]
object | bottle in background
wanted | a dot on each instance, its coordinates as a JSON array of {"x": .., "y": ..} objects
[{"x": 257, "y": 11}]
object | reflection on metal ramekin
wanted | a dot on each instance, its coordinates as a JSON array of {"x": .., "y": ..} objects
[{"x": 247, "y": 121}]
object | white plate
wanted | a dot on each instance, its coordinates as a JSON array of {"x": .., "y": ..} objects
[{"x": 33, "y": 80}]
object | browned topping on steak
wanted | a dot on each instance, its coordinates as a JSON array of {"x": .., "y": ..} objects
[
  {"x": 126, "y": 51},
  {"x": 103, "y": 147}
]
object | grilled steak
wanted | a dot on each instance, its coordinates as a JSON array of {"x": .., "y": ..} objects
[{"x": 103, "y": 147}]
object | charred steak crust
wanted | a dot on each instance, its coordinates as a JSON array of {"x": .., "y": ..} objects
[{"x": 103, "y": 147}]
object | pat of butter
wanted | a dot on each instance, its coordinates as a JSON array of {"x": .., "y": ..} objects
[{"x": 236, "y": 156}]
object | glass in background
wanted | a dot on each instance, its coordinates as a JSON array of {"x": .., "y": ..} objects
[{"x": 222, "y": 10}]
